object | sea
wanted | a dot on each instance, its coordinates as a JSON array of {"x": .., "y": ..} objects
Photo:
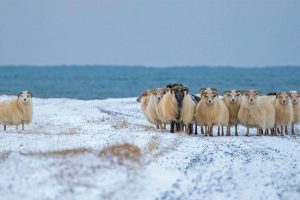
[{"x": 102, "y": 82}]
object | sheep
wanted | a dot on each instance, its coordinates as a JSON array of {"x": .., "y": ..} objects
[
  {"x": 211, "y": 110},
  {"x": 257, "y": 112},
  {"x": 187, "y": 111},
  {"x": 149, "y": 102},
  {"x": 283, "y": 110},
  {"x": 170, "y": 106},
  {"x": 18, "y": 111},
  {"x": 232, "y": 99},
  {"x": 294, "y": 96}
]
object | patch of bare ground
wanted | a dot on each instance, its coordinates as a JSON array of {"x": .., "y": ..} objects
[
  {"x": 62, "y": 153},
  {"x": 123, "y": 154}
]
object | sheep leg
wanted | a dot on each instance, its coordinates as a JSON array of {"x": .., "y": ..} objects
[
  {"x": 257, "y": 131},
  {"x": 206, "y": 130},
  {"x": 228, "y": 131},
  {"x": 218, "y": 130},
  {"x": 157, "y": 126},
  {"x": 172, "y": 127},
  {"x": 23, "y": 125},
  {"x": 281, "y": 130},
  {"x": 247, "y": 133},
  {"x": 190, "y": 129},
  {"x": 285, "y": 130},
  {"x": 17, "y": 127},
  {"x": 235, "y": 131},
  {"x": 178, "y": 127},
  {"x": 222, "y": 131},
  {"x": 202, "y": 130},
  {"x": 267, "y": 131},
  {"x": 278, "y": 130},
  {"x": 293, "y": 130},
  {"x": 196, "y": 131},
  {"x": 211, "y": 132},
  {"x": 4, "y": 127}
]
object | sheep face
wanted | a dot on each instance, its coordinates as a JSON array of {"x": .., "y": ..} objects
[
  {"x": 210, "y": 95},
  {"x": 160, "y": 93},
  {"x": 283, "y": 98},
  {"x": 294, "y": 96},
  {"x": 179, "y": 94},
  {"x": 232, "y": 96},
  {"x": 25, "y": 96},
  {"x": 251, "y": 95},
  {"x": 142, "y": 95}
]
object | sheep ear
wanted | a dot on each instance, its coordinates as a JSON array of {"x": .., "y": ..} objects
[
  {"x": 202, "y": 90},
  {"x": 185, "y": 89},
  {"x": 20, "y": 93},
  {"x": 30, "y": 93},
  {"x": 227, "y": 91},
  {"x": 277, "y": 94},
  {"x": 214, "y": 89}
]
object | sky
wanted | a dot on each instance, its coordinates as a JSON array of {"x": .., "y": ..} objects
[{"x": 150, "y": 32}]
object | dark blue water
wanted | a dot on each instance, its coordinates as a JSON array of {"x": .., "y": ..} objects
[{"x": 100, "y": 82}]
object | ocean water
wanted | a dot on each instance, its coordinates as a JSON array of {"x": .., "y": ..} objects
[{"x": 100, "y": 82}]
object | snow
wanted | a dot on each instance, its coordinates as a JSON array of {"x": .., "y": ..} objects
[{"x": 171, "y": 166}]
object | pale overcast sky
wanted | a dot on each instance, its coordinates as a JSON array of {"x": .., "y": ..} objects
[{"x": 151, "y": 33}]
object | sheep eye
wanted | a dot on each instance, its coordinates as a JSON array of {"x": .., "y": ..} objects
[
  {"x": 215, "y": 95},
  {"x": 237, "y": 95}
]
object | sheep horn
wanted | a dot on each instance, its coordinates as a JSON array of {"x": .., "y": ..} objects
[
  {"x": 227, "y": 91},
  {"x": 186, "y": 89},
  {"x": 214, "y": 89},
  {"x": 20, "y": 93},
  {"x": 202, "y": 90}
]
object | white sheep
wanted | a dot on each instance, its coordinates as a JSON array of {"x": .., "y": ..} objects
[
  {"x": 257, "y": 112},
  {"x": 211, "y": 110},
  {"x": 170, "y": 106},
  {"x": 294, "y": 96},
  {"x": 187, "y": 111},
  {"x": 149, "y": 101},
  {"x": 18, "y": 111},
  {"x": 232, "y": 99},
  {"x": 284, "y": 111}
]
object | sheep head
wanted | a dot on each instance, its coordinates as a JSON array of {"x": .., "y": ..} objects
[
  {"x": 179, "y": 94},
  {"x": 171, "y": 85},
  {"x": 160, "y": 92},
  {"x": 294, "y": 96},
  {"x": 209, "y": 94},
  {"x": 283, "y": 98},
  {"x": 25, "y": 96},
  {"x": 251, "y": 95},
  {"x": 232, "y": 96}
]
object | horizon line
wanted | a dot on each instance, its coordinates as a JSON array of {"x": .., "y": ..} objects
[{"x": 149, "y": 66}]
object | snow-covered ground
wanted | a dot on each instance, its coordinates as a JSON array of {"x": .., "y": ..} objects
[{"x": 58, "y": 157}]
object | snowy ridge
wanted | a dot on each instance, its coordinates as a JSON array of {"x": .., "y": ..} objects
[{"x": 35, "y": 165}]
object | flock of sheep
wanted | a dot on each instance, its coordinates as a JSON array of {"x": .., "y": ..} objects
[
  {"x": 17, "y": 111},
  {"x": 173, "y": 105}
]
